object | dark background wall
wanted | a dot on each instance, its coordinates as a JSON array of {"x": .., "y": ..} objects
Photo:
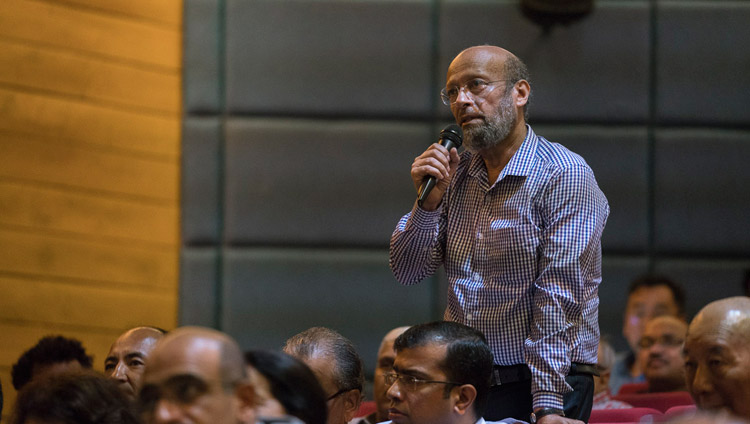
[{"x": 301, "y": 120}]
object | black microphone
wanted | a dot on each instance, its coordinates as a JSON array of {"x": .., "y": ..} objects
[{"x": 450, "y": 137}]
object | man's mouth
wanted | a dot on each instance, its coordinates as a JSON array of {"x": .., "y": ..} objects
[
  {"x": 394, "y": 414},
  {"x": 471, "y": 119}
]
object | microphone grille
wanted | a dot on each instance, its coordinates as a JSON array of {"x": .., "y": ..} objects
[{"x": 454, "y": 133}]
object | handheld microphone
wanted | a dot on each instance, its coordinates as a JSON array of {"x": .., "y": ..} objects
[{"x": 450, "y": 137}]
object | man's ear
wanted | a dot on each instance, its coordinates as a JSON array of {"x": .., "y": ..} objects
[
  {"x": 523, "y": 90},
  {"x": 246, "y": 402},
  {"x": 464, "y": 395},
  {"x": 352, "y": 400}
]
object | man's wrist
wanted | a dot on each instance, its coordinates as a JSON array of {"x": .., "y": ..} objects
[{"x": 542, "y": 412}]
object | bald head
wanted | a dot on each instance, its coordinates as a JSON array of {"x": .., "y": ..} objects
[
  {"x": 211, "y": 347},
  {"x": 386, "y": 356},
  {"x": 717, "y": 356},
  {"x": 127, "y": 358},
  {"x": 491, "y": 58},
  {"x": 204, "y": 363},
  {"x": 728, "y": 317}
]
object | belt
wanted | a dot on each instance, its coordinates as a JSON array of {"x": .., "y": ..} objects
[
  {"x": 579, "y": 368},
  {"x": 506, "y": 374}
]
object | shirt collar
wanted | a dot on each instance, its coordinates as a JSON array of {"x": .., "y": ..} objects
[{"x": 519, "y": 165}]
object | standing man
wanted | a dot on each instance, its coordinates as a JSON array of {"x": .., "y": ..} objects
[{"x": 516, "y": 221}]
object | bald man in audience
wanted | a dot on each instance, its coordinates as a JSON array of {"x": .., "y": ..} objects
[
  {"x": 197, "y": 375},
  {"x": 384, "y": 365},
  {"x": 717, "y": 357},
  {"x": 127, "y": 357},
  {"x": 661, "y": 354}
]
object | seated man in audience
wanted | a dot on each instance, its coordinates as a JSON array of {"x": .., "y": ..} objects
[
  {"x": 127, "y": 357},
  {"x": 196, "y": 375},
  {"x": 441, "y": 375},
  {"x": 383, "y": 366},
  {"x": 602, "y": 395},
  {"x": 661, "y": 354},
  {"x": 717, "y": 356},
  {"x": 51, "y": 355},
  {"x": 73, "y": 397},
  {"x": 337, "y": 365},
  {"x": 649, "y": 296}
]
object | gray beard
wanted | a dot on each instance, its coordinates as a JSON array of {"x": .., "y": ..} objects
[{"x": 495, "y": 129}]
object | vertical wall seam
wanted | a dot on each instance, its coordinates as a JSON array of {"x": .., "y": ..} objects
[
  {"x": 221, "y": 163},
  {"x": 651, "y": 135}
]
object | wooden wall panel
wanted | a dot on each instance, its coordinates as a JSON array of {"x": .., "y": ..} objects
[
  {"x": 96, "y": 262},
  {"x": 39, "y": 159},
  {"x": 69, "y": 73},
  {"x": 68, "y": 119},
  {"x": 114, "y": 37},
  {"x": 42, "y": 208},
  {"x": 159, "y": 11},
  {"x": 90, "y": 121},
  {"x": 83, "y": 307}
]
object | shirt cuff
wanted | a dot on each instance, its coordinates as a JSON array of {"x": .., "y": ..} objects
[
  {"x": 548, "y": 400},
  {"x": 425, "y": 220}
]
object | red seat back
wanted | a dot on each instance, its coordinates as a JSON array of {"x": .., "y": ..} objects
[
  {"x": 626, "y": 415},
  {"x": 629, "y": 388},
  {"x": 658, "y": 401},
  {"x": 366, "y": 408}
]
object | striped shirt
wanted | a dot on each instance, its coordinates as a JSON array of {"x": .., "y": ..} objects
[{"x": 523, "y": 258}]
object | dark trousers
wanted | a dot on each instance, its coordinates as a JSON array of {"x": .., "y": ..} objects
[{"x": 514, "y": 399}]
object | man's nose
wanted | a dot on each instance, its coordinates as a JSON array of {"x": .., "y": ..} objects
[
  {"x": 165, "y": 412},
  {"x": 393, "y": 392},
  {"x": 702, "y": 381},
  {"x": 464, "y": 96},
  {"x": 120, "y": 372}
]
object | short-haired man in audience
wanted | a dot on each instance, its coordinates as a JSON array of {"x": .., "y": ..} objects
[
  {"x": 127, "y": 356},
  {"x": 197, "y": 375},
  {"x": 717, "y": 356},
  {"x": 441, "y": 375},
  {"x": 337, "y": 365},
  {"x": 649, "y": 296},
  {"x": 383, "y": 366},
  {"x": 51, "y": 355},
  {"x": 602, "y": 395},
  {"x": 661, "y": 355}
]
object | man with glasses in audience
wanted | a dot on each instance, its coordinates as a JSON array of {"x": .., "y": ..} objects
[
  {"x": 196, "y": 375},
  {"x": 441, "y": 375},
  {"x": 661, "y": 356},
  {"x": 516, "y": 221},
  {"x": 336, "y": 364}
]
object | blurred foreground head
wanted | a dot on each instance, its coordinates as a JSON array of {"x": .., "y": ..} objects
[
  {"x": 82, "y": 397},
  {"x": 196, "y": 375}
]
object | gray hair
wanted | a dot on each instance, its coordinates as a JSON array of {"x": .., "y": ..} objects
[
  {"x": 515, "y": 70},
  {"x": 348, "y": 369}
]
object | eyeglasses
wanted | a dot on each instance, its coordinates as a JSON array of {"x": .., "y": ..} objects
[
  {"x": 477, "y": 87},
  {"x": 411, "y": 383},
  {"x": 337, "y": 394},
  {"x": 666, "y": 341}
]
